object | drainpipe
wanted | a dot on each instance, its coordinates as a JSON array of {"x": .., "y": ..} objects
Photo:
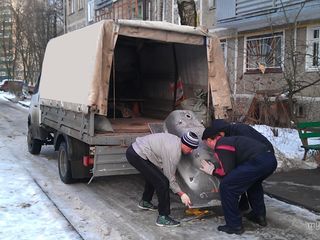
[
  {"x": 235, "y": 67},
  {"x": 144, "y": 7},
  {"x": 201, "y": 12},
  {"x": 172, "y": 11},
  {"x": 64, "y": 16}
]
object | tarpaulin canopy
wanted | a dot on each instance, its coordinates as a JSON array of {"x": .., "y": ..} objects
[{"x": 77, "y": 66}]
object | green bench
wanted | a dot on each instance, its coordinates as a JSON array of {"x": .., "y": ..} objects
[{"x": 307, "y": 131}]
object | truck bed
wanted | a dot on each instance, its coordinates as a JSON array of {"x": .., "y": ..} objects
[{"x": 131, "y": 125}]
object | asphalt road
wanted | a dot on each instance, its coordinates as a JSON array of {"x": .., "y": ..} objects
[{"x": 107, "y": 208}]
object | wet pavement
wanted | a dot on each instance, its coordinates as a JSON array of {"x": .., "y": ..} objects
[{"x": 299, "y": 187}]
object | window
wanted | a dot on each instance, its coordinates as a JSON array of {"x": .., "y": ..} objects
[
  {"x": 264, "y": 53},
  {"x": 313, "y": 49},
  {"x": 137, "y": 10},
  {"x": 223, "y": 44},
  {"x": 299, "y": 110},
  {"x": 70, "y": 6},
  {"x": 91, "y": 11},
  {"x": 80, "y": 4},
  {"x": 212, "y": 4}
]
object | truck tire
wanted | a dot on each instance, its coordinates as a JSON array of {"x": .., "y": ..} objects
[
  {"x": 34, "y": 145},
  {"x": 64, "y": 164}
]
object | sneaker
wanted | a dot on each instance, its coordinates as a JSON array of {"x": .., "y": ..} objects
[
  {"x": 147, "y": 205},
  {"x": 231, "y": 230},
  {"x": 166, "y": 221},
  {"x": 261, "y": 220}
]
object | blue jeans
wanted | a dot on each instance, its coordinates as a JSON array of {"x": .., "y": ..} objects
[{"x": 246, "y": 177}]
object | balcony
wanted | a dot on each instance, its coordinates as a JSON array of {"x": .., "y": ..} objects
[{"x": 251, "y": 14}]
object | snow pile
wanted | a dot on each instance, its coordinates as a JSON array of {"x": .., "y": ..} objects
[
  {"x": 288, "y": 150},
  {"x": 6, "y": 95},
  {"x": 11, "y": 97}
]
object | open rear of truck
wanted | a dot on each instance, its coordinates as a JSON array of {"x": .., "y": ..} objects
[{"x": 106, "y": 84}]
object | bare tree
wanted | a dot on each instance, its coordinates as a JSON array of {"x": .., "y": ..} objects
[
  {"x": 35, "y": 23},
  {"x": 294, "y": 60}
]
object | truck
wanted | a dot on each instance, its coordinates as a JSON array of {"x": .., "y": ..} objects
[{"x": 106, "y": 84}]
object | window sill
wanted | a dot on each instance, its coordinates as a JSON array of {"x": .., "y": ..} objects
[
  {"x": 268, "y": 70},
  {"x": 313, "y": 69}
]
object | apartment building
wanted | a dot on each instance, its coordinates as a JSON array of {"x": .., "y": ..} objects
[
  {"x": 153, "y": 10},
  {"x": 6, "y": 40},
  {"x": 77, "y": 13},
  {"x": 269, "y": 45}
]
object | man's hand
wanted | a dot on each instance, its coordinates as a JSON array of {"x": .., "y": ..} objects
[
  {"x": 207, "y": 167},
  {"x": 185, "y": 199}
]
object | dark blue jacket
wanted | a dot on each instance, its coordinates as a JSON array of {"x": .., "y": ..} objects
[
  {"x": 233, "y": 151},
  {"x": 240, "y": 129}
]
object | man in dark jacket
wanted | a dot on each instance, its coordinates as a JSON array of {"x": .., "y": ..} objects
[
  {"x": 243, "y": 163},
  {"x": 239, "y": 129}
]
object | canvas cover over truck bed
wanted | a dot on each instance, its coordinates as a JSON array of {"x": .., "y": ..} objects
[{"x": 79, "y": 79}]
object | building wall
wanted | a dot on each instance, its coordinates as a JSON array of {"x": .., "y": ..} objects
[
  {"x": 245, "y": 85},
  {"x": 6, "y": 39},
  {"x": 76, "y": 17},
  {"x": 207, "y": 11},
  {"x": 128, "y": 9}
]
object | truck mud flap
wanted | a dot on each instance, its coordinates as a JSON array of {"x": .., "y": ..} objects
[{"x": 111, "y": 160}]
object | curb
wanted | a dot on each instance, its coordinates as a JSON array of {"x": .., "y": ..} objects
[
  {"x": 19, "y": 102},
  {"x": 24, "y": 105},
  {"x": 291, "y": 202}
]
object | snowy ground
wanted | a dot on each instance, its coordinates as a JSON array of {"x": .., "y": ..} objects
[
  {"x": 31, "y": 215},
  {"x": 25, "y": 211}
]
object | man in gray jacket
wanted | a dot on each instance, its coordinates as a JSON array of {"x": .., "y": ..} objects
[{"x": 156, "y": 157}]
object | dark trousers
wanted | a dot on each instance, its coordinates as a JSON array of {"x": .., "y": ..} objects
[
  {"x": 155, "y": 181},
  {"x": 244, "y": 202},
  {"x": 246, "y": 177}
]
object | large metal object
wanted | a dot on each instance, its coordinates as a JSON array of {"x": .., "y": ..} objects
[{"x": 202, "y": 188}]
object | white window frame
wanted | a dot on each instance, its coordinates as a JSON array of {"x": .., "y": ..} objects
[
  {"x": 247, "y": 38},
  {"x": 90, "y": 16},
  {"x": 224, "y": 47},
  {"x": 310, "y": 40},
  {"x": 80, "y": 4},
  {"x": 71, "y": 7},
  {"x": 212, "y": 4}
]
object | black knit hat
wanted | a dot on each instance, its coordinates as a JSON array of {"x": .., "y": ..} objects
[
  {"x": 217, "y": 125},
  {"x": 190, "y": 139}
]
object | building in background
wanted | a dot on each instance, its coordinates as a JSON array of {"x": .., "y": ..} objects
[
  {"x": 79, "y": 13},
  {"x": 6, "y": 40},
  {"x": 75, "y": 14},
  {"x": 270, "y": 47}
]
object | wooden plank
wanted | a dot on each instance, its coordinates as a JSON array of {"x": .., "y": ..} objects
[
  {"x": 132, "y": 125},
  {"x": 309, "y": 134},
  {"x": 303, "y": 125}
]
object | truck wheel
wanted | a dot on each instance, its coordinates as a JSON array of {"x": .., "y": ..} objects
[
  {"x": 64, "y": 164},
  {"x": 34, "y": 145}
]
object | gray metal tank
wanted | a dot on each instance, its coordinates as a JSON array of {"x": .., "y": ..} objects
[{"x": 201, "y": 188}]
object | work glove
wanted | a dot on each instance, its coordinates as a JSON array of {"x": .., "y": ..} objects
[
  {"x": 207, "y": 167},
  {"x": 185, "y": 199}
]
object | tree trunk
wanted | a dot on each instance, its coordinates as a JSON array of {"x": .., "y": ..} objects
[{"x": 187, "y": 12}]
